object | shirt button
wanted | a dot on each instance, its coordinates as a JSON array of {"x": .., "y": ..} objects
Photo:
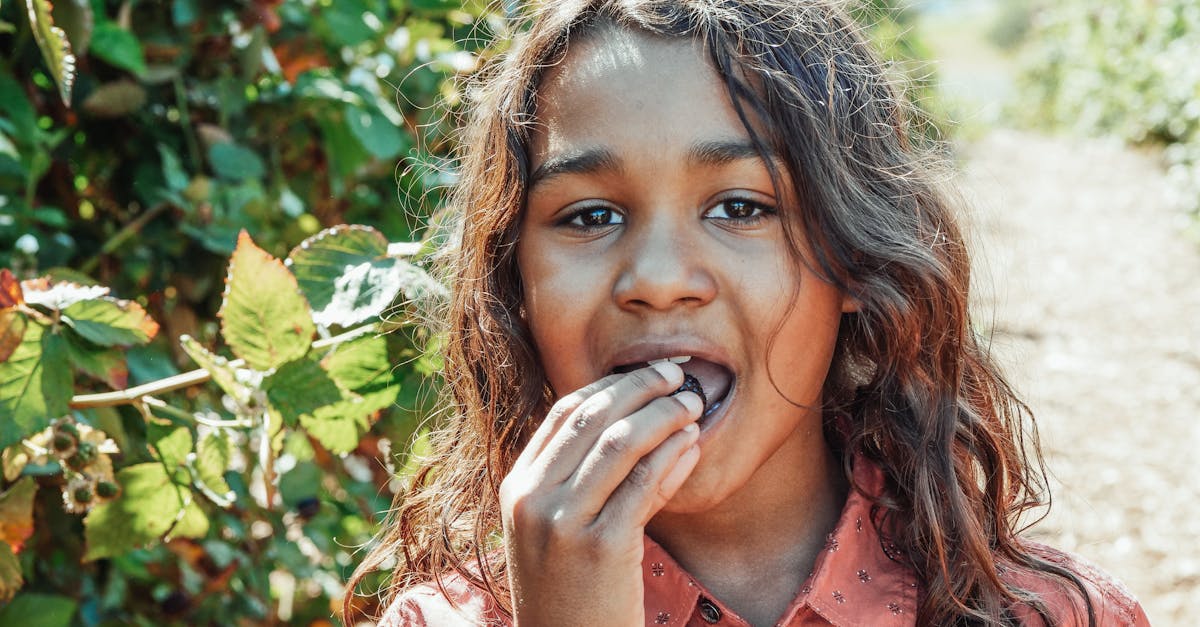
[{"x": 709, "y": 611}]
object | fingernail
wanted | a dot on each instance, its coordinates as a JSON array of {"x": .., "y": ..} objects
[
  {"x": 694, "y": 405},
  {"x": 669, "y": 371}
]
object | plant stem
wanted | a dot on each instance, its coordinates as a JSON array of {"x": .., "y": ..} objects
[
  {"x": 118, "y": 238},
  {"x": 188, "y": 379}
]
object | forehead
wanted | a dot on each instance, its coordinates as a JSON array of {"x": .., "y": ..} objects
[{"x": 623, "y": 89}]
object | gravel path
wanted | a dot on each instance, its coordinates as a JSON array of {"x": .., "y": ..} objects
[{"x": 1096, "y": 301}]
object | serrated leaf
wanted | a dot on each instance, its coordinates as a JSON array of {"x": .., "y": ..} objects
[
  {"x": 319, "y": 260},
  {"x": 118, "y": 47},
  {"x": 264, "y": 317},
  {"x": 212, "y": 459},
  {"x": 115, "y": 99},
  {"x": 299, "y": 388},
  {"x": 150, "y": 505},
  {"x": 12, "y": 329},
  {"x": 338, "y": 427},
  {"x": 170, "y": 444},
  {"x": 105, "y": 364},
  {"x": 35, "y": 385},
  {"x": 361, "y": 367},
  {"x": 11, "y": 577},
  {"x": 111, "y": 322},
  {"x": 16, "y": 514},
  {"x": 52, "y": 41},
  {"x": 223, "y": 374}
]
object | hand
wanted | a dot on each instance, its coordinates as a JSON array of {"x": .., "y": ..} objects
[{"x": 577, "y": 501}]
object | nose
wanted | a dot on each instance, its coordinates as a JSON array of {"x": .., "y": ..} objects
[{"x": 663, "y": 267}]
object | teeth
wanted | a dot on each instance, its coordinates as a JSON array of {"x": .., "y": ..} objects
[{"x": 682, "y": 359}]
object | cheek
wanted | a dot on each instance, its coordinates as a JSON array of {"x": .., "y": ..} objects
[
  {"x": 557, "y": 311},
  {"x": 803, "y": 344}
]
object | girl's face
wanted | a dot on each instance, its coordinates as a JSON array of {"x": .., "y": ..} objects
[{"x": 651, "y": 231}]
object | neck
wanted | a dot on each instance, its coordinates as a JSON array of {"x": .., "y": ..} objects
[{"x": 769, "y": 533}]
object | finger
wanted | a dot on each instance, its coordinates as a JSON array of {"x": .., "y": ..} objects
[
  {"x": 570, "y": 443},
  {"x": 558, "y": 415},
  {"x": 617, "y": 454},
  {"x": 637, "y": 499}
]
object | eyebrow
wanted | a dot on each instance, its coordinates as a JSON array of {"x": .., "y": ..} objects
[{"x": 595, "y": 160}]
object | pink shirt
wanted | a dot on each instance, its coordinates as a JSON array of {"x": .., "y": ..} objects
[{"x": 853, "y": 583}]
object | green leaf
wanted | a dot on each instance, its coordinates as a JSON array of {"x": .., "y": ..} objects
[
  {"x": 105, "y": 364},
  {"x": 149, "y": 506},
  {"x": 52, "y": 41},
  {"x": 118, "y": 47},
  {"x": 172, "y": 170},
  {"x": 361, "y": 367},
  {"x": 38, "y": 610},
  {"x": 17, "y": 108},
  {"x": 212, "y": 459},
  {"x": 235, "y": 163},
  {"x": 375, "y": 132},
  {"x": 264, "y": 317},
  {"x": 35, "y": 385},
  {"x": 348, "y": 277},
  {"x": 111, "y": 322},
  {"x": 299, "y": 388},
  {"x": 192, "y": 522},
  {"x": 11, "y": 578},
  {"x": 322, "y": 258},
  {"x": 223, "y": 374},
  {"x": 170, "y": 444}
]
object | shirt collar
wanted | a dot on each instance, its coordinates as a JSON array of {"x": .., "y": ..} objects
[{"x": 854, "y": 582}]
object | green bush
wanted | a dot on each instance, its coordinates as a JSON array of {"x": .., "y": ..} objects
[
  {"x": 209, "y": 387},
  {"x": 1126, "y": 67},
  {"x": 136, "y": 143}
]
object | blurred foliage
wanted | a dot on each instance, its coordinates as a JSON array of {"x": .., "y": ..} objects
[
  {"x": 892, "y": 27},
  {"x": 141, "y": 144},
  {"x": 1126, "y": 68}
]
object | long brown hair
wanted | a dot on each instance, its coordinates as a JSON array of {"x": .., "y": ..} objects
[{"x": 912, "y": 386}]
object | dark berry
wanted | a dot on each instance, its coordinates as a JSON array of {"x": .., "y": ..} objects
[
  {"x": 68, "y": 428},
  {"x": 63, "y": 442},
  {"x": 692, "y": 384},
  {"x": 308, "y": 507},
  {"x": 84, "y": 455},
  {"x": 82, "y": 494},
  {"x": 107, "y": 489}
]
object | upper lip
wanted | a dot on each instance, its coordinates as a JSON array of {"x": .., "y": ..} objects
[{"x": 643, "y": 350}]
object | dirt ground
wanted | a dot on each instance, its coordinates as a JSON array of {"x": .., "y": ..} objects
[{"x": 1095, "y": 294}]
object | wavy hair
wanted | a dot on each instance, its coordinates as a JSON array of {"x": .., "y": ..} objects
[{"x": 912, "y": 387}]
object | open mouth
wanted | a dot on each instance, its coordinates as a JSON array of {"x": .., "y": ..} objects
[{"x": 710, "y": 380}]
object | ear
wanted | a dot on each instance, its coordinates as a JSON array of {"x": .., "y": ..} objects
[{"x": 850, "y": 304}]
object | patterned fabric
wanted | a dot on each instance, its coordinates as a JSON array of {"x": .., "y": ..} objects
[{"x": 854, "y": 583}]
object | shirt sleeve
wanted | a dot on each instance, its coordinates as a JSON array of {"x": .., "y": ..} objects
[{"x": 1112, "y": 603}]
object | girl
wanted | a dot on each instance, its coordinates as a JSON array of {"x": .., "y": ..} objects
[{"x": 709, "y": 354}]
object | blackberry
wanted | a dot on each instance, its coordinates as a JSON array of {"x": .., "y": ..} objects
[{"x": 692, "y": 384}]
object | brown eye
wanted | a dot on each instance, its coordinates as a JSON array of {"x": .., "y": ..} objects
[
  {"x": 595, "y": 217},
  {"x": 740, "y": 210}
]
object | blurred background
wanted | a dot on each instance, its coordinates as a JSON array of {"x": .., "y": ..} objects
[{"x": 140, "y": 137}]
